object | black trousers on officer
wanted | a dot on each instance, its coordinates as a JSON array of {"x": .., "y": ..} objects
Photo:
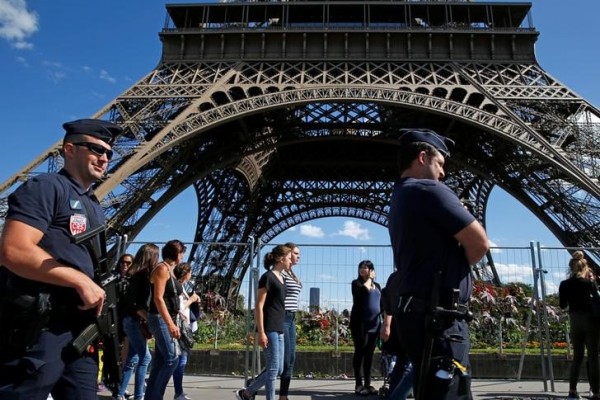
[
  {"x": 51, "y": 366},
  {"x": 451, "y": 342}
]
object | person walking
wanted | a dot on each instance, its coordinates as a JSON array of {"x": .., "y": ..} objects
[
  {"x": 120, "y": 271},
  {"x": 123, "y": 265},
  {"x": 162, "y": 320},
  {"x": 434, "y": 240},
  {"x": 293, "y": 287},
  {"x": 137, "y": 303},
  {"x": 269, "y": 319},
  {"x": 577, "y": 294},
  {"x": 365, "y": 323},
  {"x": 48, "y": 290},
  {"x": 183, "y": 274}
]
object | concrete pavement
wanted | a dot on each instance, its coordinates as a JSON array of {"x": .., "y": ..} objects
[{"x": 222, "y": 387}]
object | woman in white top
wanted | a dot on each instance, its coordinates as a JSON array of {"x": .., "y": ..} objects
[{"x": 183, "y": 273}]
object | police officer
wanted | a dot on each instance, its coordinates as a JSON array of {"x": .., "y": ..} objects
[
  {"x": 434, "y": 240},
  {"x": 46, "y": 268}
]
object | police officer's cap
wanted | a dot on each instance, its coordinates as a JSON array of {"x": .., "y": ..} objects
[
  {"x": 103, "y": 130},
  {"x": 439, "y": 142}
]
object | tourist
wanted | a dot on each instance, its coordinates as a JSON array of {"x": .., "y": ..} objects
[
  {"x": 269, "y": 319},
  {"x": 183, "y": 274},
  {"x": 577, "y": 293},
  {"x": 162, "y": 320},
  {"x": 365, "y": 323},
  {"x": 137, "y": 303}
]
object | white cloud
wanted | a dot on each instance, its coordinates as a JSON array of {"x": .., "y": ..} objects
[
  {"x": 97, "y": 95},
  {"x": 107, "y": 77},
  {"x": 311, "y": 231},
  {"x": 51, "y": 64},
  {"x": 55, "y": 71},
  {"x": 56, "y": 76},
  {"x": 354, "y": 230},
  {"x": 17, "y": 23},
  {"x": 23, "y": 61}
]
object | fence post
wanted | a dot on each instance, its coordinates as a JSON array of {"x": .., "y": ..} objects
[
  {"x": 546, "y": 324},
  {"x": 255, "y": 246},
  {"x": 536, "y": 304},
  {"x": 500, "y": 337},
  {"x": 248, "y": 311}
]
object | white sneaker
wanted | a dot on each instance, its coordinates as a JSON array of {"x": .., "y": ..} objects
[
  {"x": 239, "y": 394},
  {"x": 183, "y": 396}
]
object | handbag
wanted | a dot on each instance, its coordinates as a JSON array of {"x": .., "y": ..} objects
[
  {"x": 186, "y": 339},
  {"x": 145, "y": 330}
]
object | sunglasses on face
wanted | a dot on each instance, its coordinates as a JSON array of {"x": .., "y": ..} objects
[
  {"x": 126, "y": 262},
  {"x": 96, "y": 149}
]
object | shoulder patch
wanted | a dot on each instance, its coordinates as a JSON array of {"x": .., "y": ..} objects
[{"x": 75, "y": 204}]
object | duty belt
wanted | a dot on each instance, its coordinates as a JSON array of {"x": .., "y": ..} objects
[{"x": 412, "y": 304}]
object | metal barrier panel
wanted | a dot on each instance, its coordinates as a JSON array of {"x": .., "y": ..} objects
[{"x": 331, "y": 268}]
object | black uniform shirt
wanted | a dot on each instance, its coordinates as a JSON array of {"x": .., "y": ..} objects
[
  {"x": 424, "y": 216},
  {"x": 54, "y": 204}
]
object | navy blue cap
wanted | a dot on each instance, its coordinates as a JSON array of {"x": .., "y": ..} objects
[
  {"x": 439, "y": 142},
  {"x": 103, "y": 130}
]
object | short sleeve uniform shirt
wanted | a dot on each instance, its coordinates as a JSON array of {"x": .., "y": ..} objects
[
  {"x": 55, "y": 204},
  {"x": 423, "y": 219}
]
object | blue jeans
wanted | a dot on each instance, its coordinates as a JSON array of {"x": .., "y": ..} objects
[
  {"x": 165, "y": 358},
  {"x": 402, "y": 390},
  {"x": 273, "y": 366},
  {"x": 138, "y": 357},
  {"x": 289, "y": 352},
  {"x": 178, "y": 374}
]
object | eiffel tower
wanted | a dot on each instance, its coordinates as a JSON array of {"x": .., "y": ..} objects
[{"x": 277, "y": 113}]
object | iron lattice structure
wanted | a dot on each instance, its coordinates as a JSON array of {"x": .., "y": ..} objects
[{"x": 278, "y": 113}]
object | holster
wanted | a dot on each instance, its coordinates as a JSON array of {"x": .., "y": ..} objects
[{"x": 23, "y": 317}]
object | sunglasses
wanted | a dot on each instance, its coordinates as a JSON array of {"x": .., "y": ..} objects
[
  {"x": 96, "y": 149},
  {"x": 126, "y": 262}
]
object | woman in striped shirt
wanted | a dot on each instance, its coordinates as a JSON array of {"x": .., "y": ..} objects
[{"x": 293, "y": 287}]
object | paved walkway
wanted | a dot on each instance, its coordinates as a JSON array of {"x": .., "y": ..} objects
[{"x": 219, "y": 387}]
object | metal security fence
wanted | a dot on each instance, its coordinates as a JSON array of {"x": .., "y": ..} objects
[
  {"x": 516, "y": 321},
  {"x": 327, "y": 270}
]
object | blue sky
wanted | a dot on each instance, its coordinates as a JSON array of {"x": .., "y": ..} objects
[{"x": 63, "y": 60}]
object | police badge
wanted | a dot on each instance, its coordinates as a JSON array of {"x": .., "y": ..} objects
[{"x": 77, "y": 224}]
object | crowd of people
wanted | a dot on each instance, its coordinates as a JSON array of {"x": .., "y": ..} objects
[{"x": 51, "y": 297}]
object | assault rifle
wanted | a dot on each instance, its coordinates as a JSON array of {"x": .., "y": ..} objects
[{"x": 106, "y": 324}]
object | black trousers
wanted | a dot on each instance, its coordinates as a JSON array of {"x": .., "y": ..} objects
[
  {"x": 585, "y": 332},
  {"x": 451, "y": 342},
  {"x": 364, "y": 347},
  {"x": 51, "y": 366}
]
